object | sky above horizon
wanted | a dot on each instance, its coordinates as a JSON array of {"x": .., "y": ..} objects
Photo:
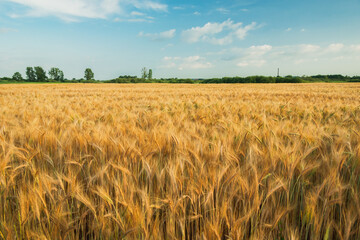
[{"x": 185, "y": 39}]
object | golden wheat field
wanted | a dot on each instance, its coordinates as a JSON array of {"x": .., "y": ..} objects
[{"x": 160, "y": 161}]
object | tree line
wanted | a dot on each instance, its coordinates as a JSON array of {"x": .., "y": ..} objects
[{"x": 38, "y": 74}]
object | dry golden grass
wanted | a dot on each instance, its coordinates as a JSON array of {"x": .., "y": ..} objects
[{"x": 180, "y": 161}]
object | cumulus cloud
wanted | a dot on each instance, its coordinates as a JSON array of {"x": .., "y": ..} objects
[
  {"x": 210, "y": 32},
  {"x": 71, "y": 10},
  {"x": 355, "y": 47},
  {"x": 335, "y": 47},
  {"x": 308, "y": 48},
  {"x": 183, "y": 63},
  {"x": 159, "y": 36},
  {"x": 258, "y": 51},
  {"x": 262, "y": 55},
  {"x": 253, "y": 56}
]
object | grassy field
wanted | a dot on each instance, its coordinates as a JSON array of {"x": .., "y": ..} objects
[{"x": 160, "y": 161}]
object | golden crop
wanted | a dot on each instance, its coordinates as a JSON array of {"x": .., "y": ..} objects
[{"x": 158, "y": 161}]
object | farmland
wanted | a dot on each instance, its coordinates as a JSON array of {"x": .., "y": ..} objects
[{"x": 161, "y": 161}]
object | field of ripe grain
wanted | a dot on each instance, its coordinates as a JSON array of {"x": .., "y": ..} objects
[{"x": 156, "y": 161}]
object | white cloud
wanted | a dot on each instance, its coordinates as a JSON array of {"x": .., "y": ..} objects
[
  {"x": 135, "y": 13},
  {"x": 309, "y": 48},
  {"x": 223, "y": 10},
  {"x": 257, "y": 51},
  {"x": 253, "y": 56},
  {"x": 338, "y": 58},
  {"x": 355, "y": 47},
  {"x": 167, "y": 46},
  {"x": 221, "y": 41},
  {"x": 71, "y": 10},
  {"x": 303, "y": 54},
  {"x": 243, "y": 64},
  {"x": 197, "y": 13},
  {"x": 335, "y": 47},
  {"x": 149, "y": 5},
  {"x": 197, "y": 34},
  {"x": 288, "y": 29},
  {"x": 245, "y": 56},
  {"x": 135, "y": 17},
  {"x": 159, "y": 36},
  {"x": 183, "y": 63},
  {"x": 133, "y": 20},
  {"x": 241, "y": 33},
  {"x": 209, "y": 31}
]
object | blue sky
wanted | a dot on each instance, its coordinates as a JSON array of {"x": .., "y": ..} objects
[{"x": 196, "y": 39}]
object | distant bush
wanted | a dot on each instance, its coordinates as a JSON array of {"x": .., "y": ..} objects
[
  {"x": 354, "y": 80},
  {"x": 289, "y": 80}
]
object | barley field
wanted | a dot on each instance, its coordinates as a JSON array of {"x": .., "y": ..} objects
[{"x": 161, "y": 161}]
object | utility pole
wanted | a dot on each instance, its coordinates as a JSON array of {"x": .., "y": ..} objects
[{"x": 278, "y": 75}]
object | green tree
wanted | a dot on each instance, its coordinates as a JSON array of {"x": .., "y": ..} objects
[
  {"x": 17, "y": 77},
  {"x": 56, "y": 74},
  {"x": 150, "y": 74},
  {"x": 144, "y": 73},
  {"x": 89, "y": 75},
  {"x": 40, "y": 74},
  {"x": 30, "y": 74}
]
